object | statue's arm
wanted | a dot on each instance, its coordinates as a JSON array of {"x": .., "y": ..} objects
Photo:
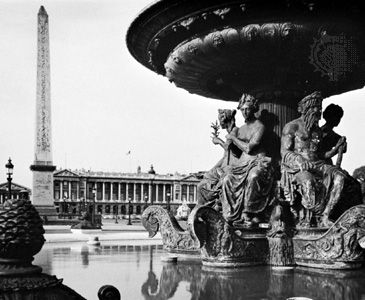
[
  {"x": 219, "y": 141},
  {"x": 254, "y": 142},
  {"x": 340, "y": 143}
]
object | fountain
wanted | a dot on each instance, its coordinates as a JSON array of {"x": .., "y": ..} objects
[{"x": 273, "y": 198}]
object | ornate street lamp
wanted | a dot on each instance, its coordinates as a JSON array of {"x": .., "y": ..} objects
[
  {"x": 10, "y": 168},
  {"x": 129, "y": 212},
  {"x": 93, "y": 206}
]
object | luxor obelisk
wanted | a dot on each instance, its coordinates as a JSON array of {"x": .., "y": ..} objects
[{"x": 42, "y": 194}]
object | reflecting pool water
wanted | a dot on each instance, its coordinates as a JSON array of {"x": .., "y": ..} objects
[{"x": 138, "y": 273}]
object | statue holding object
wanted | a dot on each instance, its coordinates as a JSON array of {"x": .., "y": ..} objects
[
  {"x": 320, "y": 191},
  {"x": 210, "y": 186},
  {"x": 247, "y": 186},
  {"x": 241, "y": 182},
  {"x": 235, "y": 194},
  {"x": 332, "y": 142}
]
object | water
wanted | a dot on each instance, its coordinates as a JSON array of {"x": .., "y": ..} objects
[{"x": 138, "y": 273}]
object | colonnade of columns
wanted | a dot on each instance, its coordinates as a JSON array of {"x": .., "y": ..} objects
[
  {"x": 124, "y": 191},
  {"x": 4, "y": 196}
]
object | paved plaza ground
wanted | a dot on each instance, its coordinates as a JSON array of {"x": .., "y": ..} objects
[{"x": 110, "y": 232}]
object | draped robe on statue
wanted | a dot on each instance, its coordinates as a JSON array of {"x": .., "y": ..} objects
[
  {"x": 322, "y": 179},
  {"x": 246, "y": 188}
]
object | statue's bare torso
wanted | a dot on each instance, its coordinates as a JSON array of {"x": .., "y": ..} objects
[{"x": 298, "y": 139}]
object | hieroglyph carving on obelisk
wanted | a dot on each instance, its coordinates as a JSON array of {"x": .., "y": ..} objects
[{"x": 42, "y": 194}]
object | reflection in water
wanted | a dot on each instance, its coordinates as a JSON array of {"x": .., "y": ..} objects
[
  {"x": 170, "y": 278},
  {"x": 138, "y": 273},
  {"x": 334, "y": 285},
  {"x": 85, "y": 255},
  {"x": 253, "y": 283}
]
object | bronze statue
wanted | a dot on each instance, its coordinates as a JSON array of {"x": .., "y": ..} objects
[
  {"x": 332, "y": 143},
  {"x": 325, "y": 191},
  {"x": 359, "y": 175},
  {"x": 246, "y": 184},
  {"x": 210, "y": 186}
]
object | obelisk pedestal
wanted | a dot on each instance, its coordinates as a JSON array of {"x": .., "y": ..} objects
[{"x": 43, "y": 168}]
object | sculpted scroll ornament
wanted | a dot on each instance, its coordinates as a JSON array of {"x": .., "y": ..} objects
[
  {"x": 174, "y": 238},
  {"x": 339, "y": 244}
]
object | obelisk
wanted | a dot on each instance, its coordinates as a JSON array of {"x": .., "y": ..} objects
[{"x": 42, "y": 193}]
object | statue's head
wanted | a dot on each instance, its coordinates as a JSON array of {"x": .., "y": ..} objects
[
  {"x": 248, "y": 105},
  {"x": 333, "y": 114},
  {"x": 226, "y": 117},
  {"x": 310, "y": 108}
]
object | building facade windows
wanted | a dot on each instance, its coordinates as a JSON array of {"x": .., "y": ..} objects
[
  {"x": 115, "y": 191},
  {"x": 184, "y": 190},
  {"x": 99, "y": 191},
  {"x": 65, "y": 189},
  {"x": 73, "y": 191},
  {"x": 191, "y": 194},
  {"x": 130, "y": 191},
  {"x": 57, "y": 190},
  {"x": 17, "y": 192},
  {"x": 177, "y": 191},
  {"x": 107, "y": 191},
  {"x": 123, "y": 191}
]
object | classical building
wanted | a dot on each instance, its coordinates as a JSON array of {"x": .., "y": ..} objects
[
  {"x": 113, "y": 191},
  {"x": 17, "y": 191}
]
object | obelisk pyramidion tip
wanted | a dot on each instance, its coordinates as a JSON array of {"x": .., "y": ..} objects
[{"x": 42, "y": 11}]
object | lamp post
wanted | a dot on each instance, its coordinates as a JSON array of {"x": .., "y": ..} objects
[
  {"x": 93, "y": 206},
  {"x": 10, "y": 168},
  {"x": 129, "y": 212}
]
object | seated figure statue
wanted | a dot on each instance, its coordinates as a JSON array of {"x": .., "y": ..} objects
[
  {"x": 209, "y": 188},
  {"x": 332, "y": 143},
  {"x": 247, "y": 184},
  {"x": 324, "y": 191}
]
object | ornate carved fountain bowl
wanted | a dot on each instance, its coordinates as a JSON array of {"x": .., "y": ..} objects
[
  {"x": 21, "y": 235},
  {"x": 220, "y": 49}
]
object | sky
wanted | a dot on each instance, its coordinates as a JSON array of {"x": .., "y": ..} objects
[{"x": 105, "y": 104}]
